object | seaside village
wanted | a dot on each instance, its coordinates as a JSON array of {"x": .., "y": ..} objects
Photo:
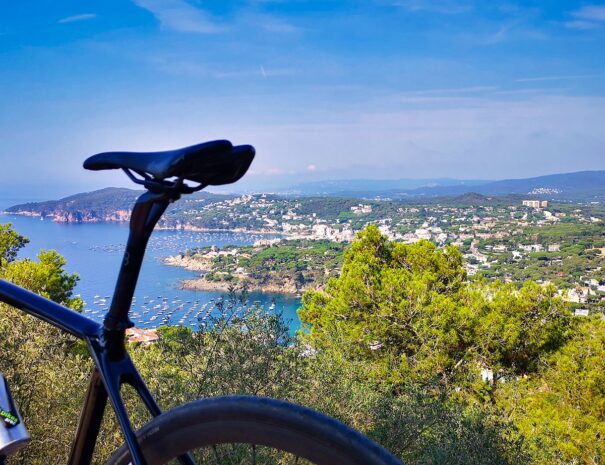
[
  {"x": 500, "y": 238},
  {"x": 483, "y": 233}
]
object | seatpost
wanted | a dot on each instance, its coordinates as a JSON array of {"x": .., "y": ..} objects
[{"x": 147, "y": 211}]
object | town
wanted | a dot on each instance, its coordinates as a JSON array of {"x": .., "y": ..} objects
[
  {"x": 512, "y": 238},
  {"x": 508, "y": 238}
]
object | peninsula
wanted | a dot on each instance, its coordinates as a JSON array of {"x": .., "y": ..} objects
[{"x": 286, "y": 266}]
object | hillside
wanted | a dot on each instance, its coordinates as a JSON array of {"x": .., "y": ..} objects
[
  {"x": 109, "y": 204},
  {"x": 582, "y": 185},
  {"x": 348, "y": 186}
]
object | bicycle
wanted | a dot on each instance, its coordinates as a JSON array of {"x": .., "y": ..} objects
[{"x": 248, "y": 428}]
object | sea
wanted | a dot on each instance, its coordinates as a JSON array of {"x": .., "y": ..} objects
[{"x": 94, "y": 252}]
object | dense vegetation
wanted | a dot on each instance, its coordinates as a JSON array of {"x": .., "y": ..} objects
[
  {"x": 98, "y": 202},
  {"x": 290, "y": 265},
  {"x": 571, "y": 256},
  {"x": 400, "y": 346},
  {"x": 109, "y": 204},
  {"x": 578, "y": 257}
]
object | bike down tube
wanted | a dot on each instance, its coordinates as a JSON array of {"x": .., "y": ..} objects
[
  {"x": 105, "y": 382},
  {"x": 90, "y": 421},
  {"x": 107, "y": 378},
  {"x": 112, "y": 371}
]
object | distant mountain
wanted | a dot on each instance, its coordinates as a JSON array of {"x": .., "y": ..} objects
[
  {"x": 345, "y": 186},
  {"x": 579, "y": 186},
  {"x": 582, "y": 185}
]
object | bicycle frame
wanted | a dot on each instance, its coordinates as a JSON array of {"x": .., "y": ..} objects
[{"x": 106, "y": 342}]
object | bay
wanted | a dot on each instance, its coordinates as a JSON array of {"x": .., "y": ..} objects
[{"x": 94, "y": 252}]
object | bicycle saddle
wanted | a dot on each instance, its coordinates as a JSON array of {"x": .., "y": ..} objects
[{"x": 211, "y": 163}]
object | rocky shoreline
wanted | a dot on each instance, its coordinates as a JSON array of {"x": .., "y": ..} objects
[
  {"x": 123, "y": 216},
  {"x": 116, "y": 216},
  {"x": 202, "y": 284}
]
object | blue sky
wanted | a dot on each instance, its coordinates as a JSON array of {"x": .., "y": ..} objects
[{"x": 323, "y": 89}]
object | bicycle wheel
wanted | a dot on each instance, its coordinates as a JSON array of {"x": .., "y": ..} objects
[{"x": 252, "y": 430}]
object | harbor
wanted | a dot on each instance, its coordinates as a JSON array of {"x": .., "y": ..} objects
[
  {"x": 94, "y": 252},
  {"x": 150, "y": 312}
]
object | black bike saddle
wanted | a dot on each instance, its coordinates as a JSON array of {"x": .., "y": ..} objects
[{"x": 211, "y": 163}]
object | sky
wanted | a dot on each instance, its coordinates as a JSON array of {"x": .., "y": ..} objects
[{"x": 324, "y": 89}]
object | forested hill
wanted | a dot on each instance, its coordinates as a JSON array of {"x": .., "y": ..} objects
[
  {"x": 334, "y": 218},
  {"x": 104, "y": 200},
  {"x": 109, "y": 204}
]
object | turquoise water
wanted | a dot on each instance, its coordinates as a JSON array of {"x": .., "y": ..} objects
[{"x": 94, "y": 251}]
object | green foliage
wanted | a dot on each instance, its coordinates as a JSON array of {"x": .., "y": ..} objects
[
  {"x": 395, "y": 346},
  {"x": 515, "y": 328},
  {"x": 527, "y": 377},
  {"x": 408, "y": 312},
  {"x": 419, "y": 428},
  {"x": 561, "y": 413},
  {"x": 10, "y": 244},
  {"x": 38, "y": 359},
  {"x": 45, "y": 277},
  {"x": 291, "y": 264}
]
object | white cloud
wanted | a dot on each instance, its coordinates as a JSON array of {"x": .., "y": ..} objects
[
  {"x": 588, "y": 17},
  {"x": 591, "y": 12},
  {"x": 268, "y": 172},
  {"x": 178, "y": 15},
  {"x": 262, "y": 71},
  {"x": 557, "y": 78},
  {"x": 513, "y": 29},
  {"x": 451, "y": 90},
  {"x": 76, "y": 18},
  {"x": 581, "y": 25},
  {"x": 448, "y": 7}
]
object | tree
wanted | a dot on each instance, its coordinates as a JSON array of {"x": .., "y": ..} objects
[
  {"x": 10, "y": 244},
  {"x": 517, "y": 327},
  {"x": 560, "y": 413},
  {"x": 46, "y": 277},
  {"x": 38, "y": 358},
  {"x": 408, "y": 311},
  {"x": 399, "y": 307}
]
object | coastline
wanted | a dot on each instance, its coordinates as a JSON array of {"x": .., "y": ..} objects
[
  {"x": 190, "y": 228},
  {"x": 200, "y": 283},
  {"x": 122, "y": 218}
]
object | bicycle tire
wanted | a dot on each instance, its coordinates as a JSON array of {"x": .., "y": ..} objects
[{"x": 254, "y": 422}]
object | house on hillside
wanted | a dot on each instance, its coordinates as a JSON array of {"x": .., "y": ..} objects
[{"x": 145, "y": 336}]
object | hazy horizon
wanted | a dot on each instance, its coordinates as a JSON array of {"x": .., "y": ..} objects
[
  {"x": 253, "y": 184},
  {"x": 370, "y": 89}
]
